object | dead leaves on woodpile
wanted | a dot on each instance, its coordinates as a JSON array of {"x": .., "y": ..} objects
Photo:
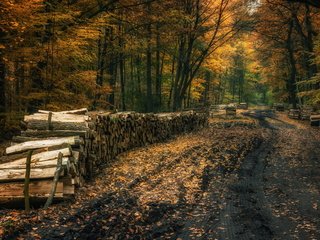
[{"x": 144, "y": 193}]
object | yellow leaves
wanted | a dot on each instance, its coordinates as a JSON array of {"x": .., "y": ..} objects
[{"x": 197, "y": 88}]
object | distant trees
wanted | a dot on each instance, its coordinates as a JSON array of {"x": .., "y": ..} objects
[
  {"x": 287, "y": 31},
  {"x": 128, "y": 54}
]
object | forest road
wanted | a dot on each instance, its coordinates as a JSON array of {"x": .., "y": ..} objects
[{"x": 275, "y": 193}]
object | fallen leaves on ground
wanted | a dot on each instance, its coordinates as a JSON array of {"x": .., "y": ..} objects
[{"x": 146, "y": 192}]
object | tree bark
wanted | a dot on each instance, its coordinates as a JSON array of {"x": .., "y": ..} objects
[
  {"x": 149, "y": 100},
  {"x": 2, "y": 85},
  {"x": 293, "y": 71}
]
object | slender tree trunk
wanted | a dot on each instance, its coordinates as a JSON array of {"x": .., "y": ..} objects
[
  {"x": 158, "y": 72},
  {"x": 138, "y": 65},
  {"x": 133, "y": 85},
  {"x": 149, "y": 102},
  {"x": 112, "y": 70},
  {"x": 176, "y": 90},
  {"x": 207, "y": 88},
  {"x": 293, "y": 71},
  {"x": 172, "y": 82},
  {"x": 122, "y": 68},
  {"x": 2, "y": 85},
  {"x": 189, "y": 97}
]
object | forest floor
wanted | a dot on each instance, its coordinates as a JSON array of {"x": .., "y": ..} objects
[{"x": 252, "y": 178}]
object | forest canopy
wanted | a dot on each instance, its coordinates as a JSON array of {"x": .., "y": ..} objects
[{"x": 156, "y": 55}]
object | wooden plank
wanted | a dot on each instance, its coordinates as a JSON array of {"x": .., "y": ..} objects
[
  {"x": 42, "y": 144},
  {"x": 16, "y": 200},
  {"x": 68, "y": 190},
  {"x": 53, "y": 133},
  {"x": 36, "y": 188},
  {"x": 315, "y": 117},
  {"x": 39, "y": 157},
  {"x": 56, "y": 118},
  {"x": 7, "y": 175},
  {"x": 42, "y": 125},
  {"x": 76, "y": 111},
  {"x": 16, "y": 156},
  {"x": 37, "y": 164}
]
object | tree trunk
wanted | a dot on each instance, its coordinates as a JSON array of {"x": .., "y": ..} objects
[
  {"x": 293, "y": 71},
  {"x": 172, "y": 82},
  {"x": 149, "y": 100},
  {"x": 122, "y": 69},
  {"x": 112, "y": 72},
  {"x": 2, "y": 86},
  {"x": 158, "y": 72},
  {"x": 310, "y": 44}
]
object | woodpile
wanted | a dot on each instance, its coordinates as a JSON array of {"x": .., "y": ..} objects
[
  {"x": 279, "y": 107},
  {"x": 315, "y": 120},
  {"x": 112, "y": 134},
  {"x": 79, "y": 143},
  {"x": 47, "y": 134},
  {"x": 306, "y": 112},
  {"x": 231, "y": 111},
  {"x": 243, "y": 106},
  {"x": 294, "y": 113}
]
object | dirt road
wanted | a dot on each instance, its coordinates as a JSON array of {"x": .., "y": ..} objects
[{"x": 234, "y": 183}]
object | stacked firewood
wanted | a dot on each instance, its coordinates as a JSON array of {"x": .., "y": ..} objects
[
  {"x": 83, "y": 142},
  {"x": 294, "y": 113},
  {"x": 315, "y": 120},
  {"x": 231, "y": 111},
  {"x": 112, "y": 134},
  {"x": 47, "y": 135}
]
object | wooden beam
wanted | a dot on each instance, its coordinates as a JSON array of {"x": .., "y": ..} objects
[
  {"x": 8, "y": 175},
  {"x": 42, "y": 144},
  {"x": 76, "y": 111}
]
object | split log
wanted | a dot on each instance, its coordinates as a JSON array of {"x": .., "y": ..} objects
[
  {"x": 16, "y": 156},
  {"x": 80, "y": 111},
  {"x": 53, "y": 133},
  {"x": 56, "y": 118},
  {"x": 243, "y": 106},
  {"x": 36, "y": 188},
  {"x": 69, "y": 122},
  {"x": 39, "y": 157},
  {"x": 21, "y": 139},
  {"x": 294, "y": 113},
  {"x": 279, "y": 107},
  {"x": 42, "y": 125},
  {"x": 315, "y": 120},
  {"x": 231, "y": 111},
  {"x": 37, "y": 164},
  {"x": 305, "y": 113},
  {"x": 42, "y": 144},
  {"x": 7, "y": 175}
]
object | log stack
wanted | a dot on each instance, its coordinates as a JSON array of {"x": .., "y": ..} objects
[
  {"x": 85, "y": 141},
  {"x": 306, "y": 112},
  {"x": 243, "y": 106},
  {"x": 47, "y": 134},
  {"x": 279, "y": 107},
  {"x": 315, "y": 120},
  {"x": 294, "y": 113},
  {"x": 231, "y": 111},
  {"x": 112, "y": 134}
]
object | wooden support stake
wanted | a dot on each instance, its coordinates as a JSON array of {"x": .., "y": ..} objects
[
  {"x": 55, "y": 181},
  {"x": 26, "y": 182},
  {"x": 50, "y": 121}
]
